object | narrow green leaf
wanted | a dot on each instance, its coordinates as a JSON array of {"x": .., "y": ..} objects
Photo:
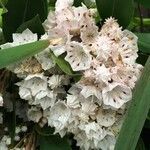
[
  {"x": 63, "y": 65},
  {"x": 120, "y": 9},
  {"x": 18, "y": 53},
  {"x": 136, "y": 114},
  {"x": 54, "y": 142},
  {"x": 78, "y": 2},
  {"x": 90, "y": 3},
  {"x": 35, "y": 25},
  {"x": 144, "y": 42}
]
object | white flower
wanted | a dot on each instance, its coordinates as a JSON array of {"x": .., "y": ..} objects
[
  {"x": 78, "y": 56},
  {"x": 45, "y": 98},
  {"x": 25, "y": 93},
  {"x": 93, "y": 132},
  {"x": 128, "y": 48},
  {"x": 62, "y": 4},
  {"x": 82, "y": 15},
  {"x": 21, "y": 38},
  {"x": 56, "y": 81},
  {"x": 25, "y": 37},
  {"x": 103, "y": 47},
  {"x": 83, "y": 141},
  {"x": 50, "y": 22},
  {"x": 60, "y": 38},
  {"x": 35, "y": 83},
  {"x": 24, "y": 128},
  {"x": 17, "y": 138},
  {"x": 17, "y": 130},
  {"x": 45, "y": 60},
  {"x": 8, "y": 141},
  {"x": 90, "y": 90},
  {"x": 89, "y": 33},
  {"x": 88, "y": 107},
  {"x": 58, "y": 116},
  {"x": 111, "y": 29},
  {"x": 1, "y": 100},
  {"x": 107, "y": 143},
  {"x": 102, "y": 74},
  {"x": 34, "y": 114},
  {"x": 106, "y": 118},
  {"x": 115, "y": 95},
  {"x": 73, "y": 101}
]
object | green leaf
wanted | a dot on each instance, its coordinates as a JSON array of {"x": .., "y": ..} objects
[
  {"x": 90, "y": 3},
  {"x": 136, "y": 114},
  {"x": 20, "y": 11},
  {"x": 35, "y": 25},
  {"x": 54, "y": 142},
  {"x": 2, "y": 4},
  {"x": 78, "y": 2},
  {"x": 145, "y": 3},
  {"x": 142, "y": 58},
  {"x": 62, "y": 64},
  {"x": 144, "y": 42},
  {"x": 140, "y": 145},
  {"x": 122, "y": 10},
  {"x": 18, "y": 53}
]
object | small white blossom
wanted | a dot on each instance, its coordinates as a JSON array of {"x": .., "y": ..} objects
[
  {"x": 62, "y": 4},
  {"x": 45, "y": 99},
  {"x": 35, "y": 83},
  {"x": 116, "y": 95},
  {"x": 107, "y": 143},
  {"x": 17, "y": 130},
  {"x": 45, "y": 60},
  {"x": 21, "y": 38},
  {"x": 106, "y": 118},
  {"x": 73, "y": 101},
  {"x": 34, "y": 114},
  {"x": 24, "y": 128},
  {"x": 78, "y": 56},
  {"x": 17, "y": 138},
  {"x": 58, "y": 116},
  {"x": 56, "y": 81}
]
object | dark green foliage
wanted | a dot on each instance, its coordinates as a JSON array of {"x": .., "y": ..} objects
[
  {"x": 20, "y": 11},
  {"x": 122, "y": 10}
]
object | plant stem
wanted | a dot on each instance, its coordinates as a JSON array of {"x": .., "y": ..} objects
[{"x": 141, "y": 18}]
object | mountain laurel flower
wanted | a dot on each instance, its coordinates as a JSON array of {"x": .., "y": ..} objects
[{"x": 93, "y": 107}]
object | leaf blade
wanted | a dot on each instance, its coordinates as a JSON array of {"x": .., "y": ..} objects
[
  {"x": 63, "y": 65},
  {"x": 121, "y": 10},
  {"x": 14, "y": 54},
  {"x": 144, "y": 42},
  {"x": 136, "y": 114}
]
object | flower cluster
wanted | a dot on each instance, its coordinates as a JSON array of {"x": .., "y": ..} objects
[{"x": 93, "y": 108}]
